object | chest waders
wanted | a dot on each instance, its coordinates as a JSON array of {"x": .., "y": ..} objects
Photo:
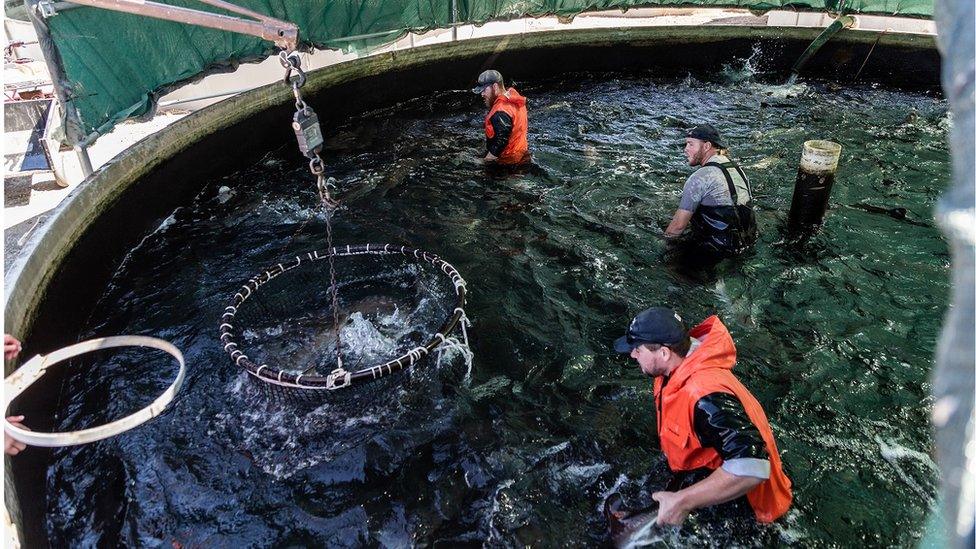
[{"x": 727, "y": 230}]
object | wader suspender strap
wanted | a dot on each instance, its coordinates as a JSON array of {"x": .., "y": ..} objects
[
  {"x": 745, "y": 179},
  {"x": 732, "y": 193}
]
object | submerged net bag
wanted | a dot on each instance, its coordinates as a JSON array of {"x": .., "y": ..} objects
[{"x": 393, "y": 307}]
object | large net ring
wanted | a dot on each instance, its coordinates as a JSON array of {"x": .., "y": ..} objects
[
  {"x": 277, "y": 375},
  {"x": 35, "y": 368}
]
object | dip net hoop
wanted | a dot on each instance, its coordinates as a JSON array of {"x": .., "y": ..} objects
[
  {"x": 340, "y": 378},
  {"x": 35, "y": 368}
]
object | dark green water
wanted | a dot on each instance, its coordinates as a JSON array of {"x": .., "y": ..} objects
[{"x": 835, "y": 337}]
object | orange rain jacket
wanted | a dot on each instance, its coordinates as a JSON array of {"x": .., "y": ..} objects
[
  {"x": 513, "y": 105},
  {"x": 705, "y": 371}
]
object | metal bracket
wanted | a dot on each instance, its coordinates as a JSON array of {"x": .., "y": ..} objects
[
  {"x": 337, "y": 378},
  {"x": 46, "y": 9}
]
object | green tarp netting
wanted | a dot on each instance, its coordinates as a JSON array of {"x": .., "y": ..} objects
[{"x": 111, "y": 66}]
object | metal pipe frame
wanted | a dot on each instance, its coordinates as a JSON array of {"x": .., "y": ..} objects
[{"x": 282, "y": 33}]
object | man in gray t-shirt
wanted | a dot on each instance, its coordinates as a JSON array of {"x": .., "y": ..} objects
[{"x": 717, "y": 199}]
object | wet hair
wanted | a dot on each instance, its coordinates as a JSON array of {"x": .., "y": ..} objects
[{"x": 680, "y": 348}]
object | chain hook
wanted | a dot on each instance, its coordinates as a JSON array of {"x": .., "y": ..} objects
[
  {"x": 292, "y": 62},
  {"x": 324, "y": 186}
]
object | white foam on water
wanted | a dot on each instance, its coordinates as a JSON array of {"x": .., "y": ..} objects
[
  {"x": 892, "y": 452},
  {"x": 782, "y": 91},
  {"x": 734, "y": 74},
  {"x": 224, "y": 194},
  {"x": 496, "y": 507},
  {"x": 368, "y": 419},
  {"x": 621, "y": 479},
  {"x": 788, "y": 530},
  {"x": 274, "y": 441},
  {"x": 170, "y": 219},
  {"x": 365, "y": 338},
  {"x": 237, "y": 385},
  {"x": 396, "y": 531},
  {"x": 578, "y": 475}
]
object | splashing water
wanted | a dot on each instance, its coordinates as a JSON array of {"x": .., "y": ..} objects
[{"x": 550, "y": 420}]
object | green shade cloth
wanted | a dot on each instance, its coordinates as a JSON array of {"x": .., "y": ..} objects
[{"x": 111, "y": 66}]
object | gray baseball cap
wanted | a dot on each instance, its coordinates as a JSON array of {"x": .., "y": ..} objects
[
  {"x": 706, "y": 132},
  {"x": 486, "y": 79}
]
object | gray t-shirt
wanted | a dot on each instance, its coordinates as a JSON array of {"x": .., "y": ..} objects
[{"x": 708, "y": 187}]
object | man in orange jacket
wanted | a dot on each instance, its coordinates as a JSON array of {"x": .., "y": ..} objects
[
  {"x": 713, "y": 432},
  {"x": 507, "y": 121}
]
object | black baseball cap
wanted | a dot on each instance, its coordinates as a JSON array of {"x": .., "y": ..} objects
[
  {"x": 486, "y": 79},
  {"x": 657, "y": 325},
  {"x": 706, "y": 132}
]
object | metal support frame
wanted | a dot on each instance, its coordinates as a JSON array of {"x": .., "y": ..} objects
[
  {"x": 204, "y": 97},
  {"x": 84, "y": 160},
  {"x": 454, "y": 21},
  {"x": 282, "y": 33}
]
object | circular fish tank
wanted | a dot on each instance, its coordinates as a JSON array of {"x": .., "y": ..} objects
[{"x": 835, "y": 334}]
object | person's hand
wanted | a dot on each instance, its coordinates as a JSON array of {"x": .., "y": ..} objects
[
  {"x": 12, "y": 446},
  {"x": 490, "y": 157},
  {"x": 670, "y": 510},
  {"x": 11, "y": 347}
]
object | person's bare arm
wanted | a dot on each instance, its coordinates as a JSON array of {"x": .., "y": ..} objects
[
  {"x": 678, "y": 223},
  {"x": 718, "y": 487}
]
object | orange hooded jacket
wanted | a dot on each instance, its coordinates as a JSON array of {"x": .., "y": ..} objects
[
  {"x": 518, "y": 144},
  {"x": 705, "y": 371}
]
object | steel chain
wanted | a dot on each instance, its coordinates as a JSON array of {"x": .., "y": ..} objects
[{"x": 292, "y": 63}]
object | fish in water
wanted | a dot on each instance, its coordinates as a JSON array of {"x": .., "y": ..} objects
[
  {"x": 765, "y": 162},
  {"x": 901, "y": 214},
  {"x": 377, "y": 185},
  {"x": 559, "y": 105},
  {"x": 630, "y": 528},
  {"x": 591, "y": 154}
]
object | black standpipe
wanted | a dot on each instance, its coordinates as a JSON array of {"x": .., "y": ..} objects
[{"x": 814, "y": 180}]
